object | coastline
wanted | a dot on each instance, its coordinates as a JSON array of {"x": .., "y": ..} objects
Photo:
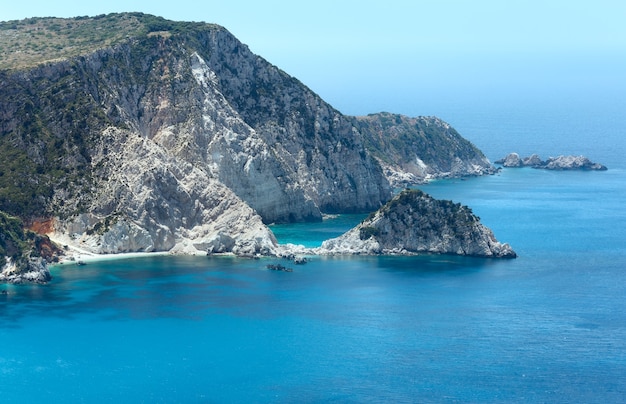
[
  {"x": 73, "y": 254},
  {"x": 91, "y": 257}
]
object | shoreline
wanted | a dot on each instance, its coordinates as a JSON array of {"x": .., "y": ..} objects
[
  {"x": 74, "y": 255},
  {"x": 86, "y": 257}
]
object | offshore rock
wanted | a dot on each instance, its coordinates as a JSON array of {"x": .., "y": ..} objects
[
  {"x": 511, "y": 160},
  {"x": 413, "y": 223},
  {"x": 572, "y": 163},
  {"x": 552, "y": 163},
  {"x": 533, "y": 160}
]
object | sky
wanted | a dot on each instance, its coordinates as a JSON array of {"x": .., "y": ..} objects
[{"x": 415, "y": 57}]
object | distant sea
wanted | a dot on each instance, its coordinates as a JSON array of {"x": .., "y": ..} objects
[{"x": 549, "y": 326}]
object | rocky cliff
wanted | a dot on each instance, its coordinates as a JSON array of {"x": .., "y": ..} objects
[
  {"x": 414, "y": 150},
  {"x": 414, "y": 222},
  {"x": 207, "y": 100},
  {"x": 552, "y": 163},
  {"x": 23, "y": 254},
  {"x": 143, "y": 134}
]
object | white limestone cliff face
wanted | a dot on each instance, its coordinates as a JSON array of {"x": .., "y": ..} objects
[
  {"x": 260, "y": 132},
  {"x": 319, "y": 152},
  {"x": 146, "y": 200}
]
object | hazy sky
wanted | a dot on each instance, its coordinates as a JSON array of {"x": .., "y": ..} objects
[{"x": 411, "y": 56}]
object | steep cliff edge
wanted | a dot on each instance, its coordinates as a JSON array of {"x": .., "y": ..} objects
[
  {"x": 23, "y": 254},
  {"x": 414, "y": 222},
  {"x": 136, "y": 133},
  {"x": 204, "y": 98},
  {"x": 414, "y": 150}
]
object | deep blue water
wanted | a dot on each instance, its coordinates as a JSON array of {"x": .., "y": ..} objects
[{"x": 549, "y": 326}]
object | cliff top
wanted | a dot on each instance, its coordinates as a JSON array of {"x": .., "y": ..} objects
[{"x": 30, "y": 42}]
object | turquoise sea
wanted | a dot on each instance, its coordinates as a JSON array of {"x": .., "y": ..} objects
[{"x": 549, "y": 326}]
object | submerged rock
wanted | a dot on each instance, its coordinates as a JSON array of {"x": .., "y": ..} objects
[{"x": 414, "y": 222}]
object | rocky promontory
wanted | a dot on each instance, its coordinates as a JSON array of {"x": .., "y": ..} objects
[
  {"x": 414, "y": 150},
  {"x": 153, "y": 135},
  {"x": 23, "y": 253},
  {"x": 413, "y": 222},
  {"x": 552, "y": 163}
]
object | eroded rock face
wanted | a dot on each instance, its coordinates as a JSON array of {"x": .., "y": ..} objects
[
  {"x": 415, "y": 150},
  {"x": 413, "y": 223},
  {"x": 148, "y": 200},
  {"x": 189, "y": 142},
  {"x": 315, "y": 151},
  {"x": 24, "y": 254},
  {"x": 260, "y": 132}
]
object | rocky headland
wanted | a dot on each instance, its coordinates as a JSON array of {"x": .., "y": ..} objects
[
  {"x": 412, "y": 151},
  {"x": 150, "y": 135},
  {"x": 24, "y": 254},
  {"x": 413, "y": 222},
  {"x": 552, "y": 163}
]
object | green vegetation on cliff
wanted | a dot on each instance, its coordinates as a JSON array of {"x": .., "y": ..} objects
[
  {"x": 44, "y": 137},
  {"x": 13, "y": 239},
  {"x": 178, "y": 128},
  {"x": 20, "y": 244},
  {"x": 426, "y": 147},
  {"x": 414, "y": 222},
  {"x": 27, "y": 43},
  {"x": 50, "y": 105}
]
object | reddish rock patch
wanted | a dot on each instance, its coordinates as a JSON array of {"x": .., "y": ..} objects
[{"x": 42, "y": 226}]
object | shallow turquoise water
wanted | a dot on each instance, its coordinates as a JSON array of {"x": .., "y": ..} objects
[
  {"x": 313, "y": 234},
  {"x": 549, "y": 326}
]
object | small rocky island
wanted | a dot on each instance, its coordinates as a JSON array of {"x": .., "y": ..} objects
[
  {"x": 552, "y": 163},
  {"x": 413, "y": 222}
]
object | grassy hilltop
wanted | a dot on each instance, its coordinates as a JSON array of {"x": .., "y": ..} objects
[{"x": 27, "y": 43}]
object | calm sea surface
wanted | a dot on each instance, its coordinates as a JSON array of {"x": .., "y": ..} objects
[{"x": 549, "y": 326}]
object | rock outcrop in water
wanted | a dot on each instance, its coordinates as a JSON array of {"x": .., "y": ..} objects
[
  {"x": 414, "y": 222},
  {"x": 552, "y": 163},
  {"x": 155, "y": 135}
]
